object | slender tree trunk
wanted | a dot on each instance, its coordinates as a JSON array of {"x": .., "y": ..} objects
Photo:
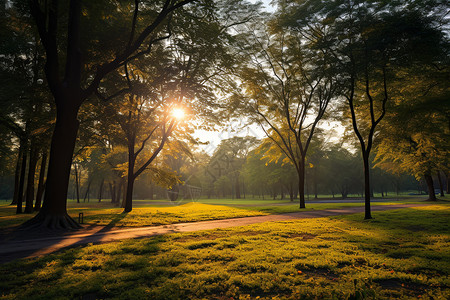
[
  {"x": 41, "y": 183},
  {"x": 367, "y": 210},
  {"x": 54, "y": 209},
  {"x": 21, "y": 181},
  {"x": 86, "y": 195},
  {"x": 17, "y": 176},
  {"x": 291, "y": 191},
  {"x": 441, "y": 186},
  {"x": 77, "y": 182},
  {"x": 100, "y": 192},
  {"x": 301, "y": 183},
  {"x": 430, "y": 186},
  {"x": 447, "y": 176},
  {"x": 130, "y": 176},
  {"x": 30, "y": 181}
]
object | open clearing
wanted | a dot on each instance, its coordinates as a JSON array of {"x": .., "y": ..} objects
[{"x": 401, "y": 253}]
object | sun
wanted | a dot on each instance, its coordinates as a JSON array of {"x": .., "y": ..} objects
[{"x": 178, "y": 113}]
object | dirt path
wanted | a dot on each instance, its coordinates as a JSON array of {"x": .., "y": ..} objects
[{"x": 18, "y": 247}]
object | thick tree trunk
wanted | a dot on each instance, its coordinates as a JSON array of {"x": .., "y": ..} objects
[
  {"x": 441, "y": 186},
  {"x": 447, "y": 176},
  {"x": 430, "y": 186},
  {"x": 129, "y": 195},
  {"x": 21, "y": 181},
  {"x": 54, "y": 209},
  {"x": 17, "y": 176},
  {"x": 41, "y": 183},
  {"x": 367, "y": 210},
  {"x": 30, "y": 180}
]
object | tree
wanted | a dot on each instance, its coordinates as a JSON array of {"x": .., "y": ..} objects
[
  {"x": 79, "y": 79},
  {"x": 370, "y": 41},
  {"x": 287, "y": 89}
]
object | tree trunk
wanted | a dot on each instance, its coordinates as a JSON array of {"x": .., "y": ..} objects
[
  {"x": 447, "y": 175},
  {"x": 130, "y": 176},
  {"x": 430, "y": 186},
  {"x": 21, "y": 181},
  {"x": 291, "y": 191},
  {"x": 77, "y": 183},
  {"x": 301, "y": 183},
  {"x": 367, "y": 211},
  {"x": 30, "y": 181},
  {"x": 54, "y": 209},
  {"x": 441, "y": 186},
  {"x": 86, "y": 195},
  {"x": 41, "y": 183},
  {"x": 17, "y": 176}
]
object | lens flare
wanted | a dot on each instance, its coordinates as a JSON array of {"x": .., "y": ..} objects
[{"x": 178, "y": 113}]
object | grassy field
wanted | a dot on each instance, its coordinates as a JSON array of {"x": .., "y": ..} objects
[
  {"x": 399, "y": 254},
  {"x": 147, "y": 212}
]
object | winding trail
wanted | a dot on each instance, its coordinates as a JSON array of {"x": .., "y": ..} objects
[{"x": 17, "y": 246}]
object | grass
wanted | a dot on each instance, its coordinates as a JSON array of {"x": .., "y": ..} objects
[
  {"x": 146, "y": 213},
  {"x": 399, "y": 254}
]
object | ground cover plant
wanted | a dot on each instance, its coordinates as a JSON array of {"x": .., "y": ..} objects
[
  {"x": 150, "y": 213},
  {"x": 399, "y": 254}
]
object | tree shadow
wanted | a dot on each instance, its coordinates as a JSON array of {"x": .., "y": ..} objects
[{"x": 18, "y": 243}]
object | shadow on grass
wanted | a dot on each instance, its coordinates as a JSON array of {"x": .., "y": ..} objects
[{"x": 18, "y": 244}]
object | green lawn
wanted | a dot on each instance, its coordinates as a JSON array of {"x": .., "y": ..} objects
[
  {"x": 147, "y": 213},
  {"x": 399, "y": 254}
]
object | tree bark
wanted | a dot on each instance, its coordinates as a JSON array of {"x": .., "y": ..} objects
[
  {"x": 21, "y": 181},
  {"x": 86, "y": 195},
  {"x": 30, "y": 181},
  {"x": 441, "y": 186},
  {"x": 41, "y": 184},
  {"x": 53, "y": 214},
  {"x": 77, "y": 183},
  {"x": 430, "y": 186},
  {"x": 17, "y": 176},
  {"x": 301, "y": 183},
  {"x": 367, "y": 210}
]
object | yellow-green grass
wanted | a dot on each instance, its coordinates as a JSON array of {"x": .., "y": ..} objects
[
  {"x": 399, "y": 254},
  {"x": 103, "y": 214}
]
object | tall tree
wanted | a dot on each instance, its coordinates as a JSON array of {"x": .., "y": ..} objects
[
  {"x": 287, "y": 91},
  {"x": 369, "y": 40},
  {"x": 81, "y": 75}
]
